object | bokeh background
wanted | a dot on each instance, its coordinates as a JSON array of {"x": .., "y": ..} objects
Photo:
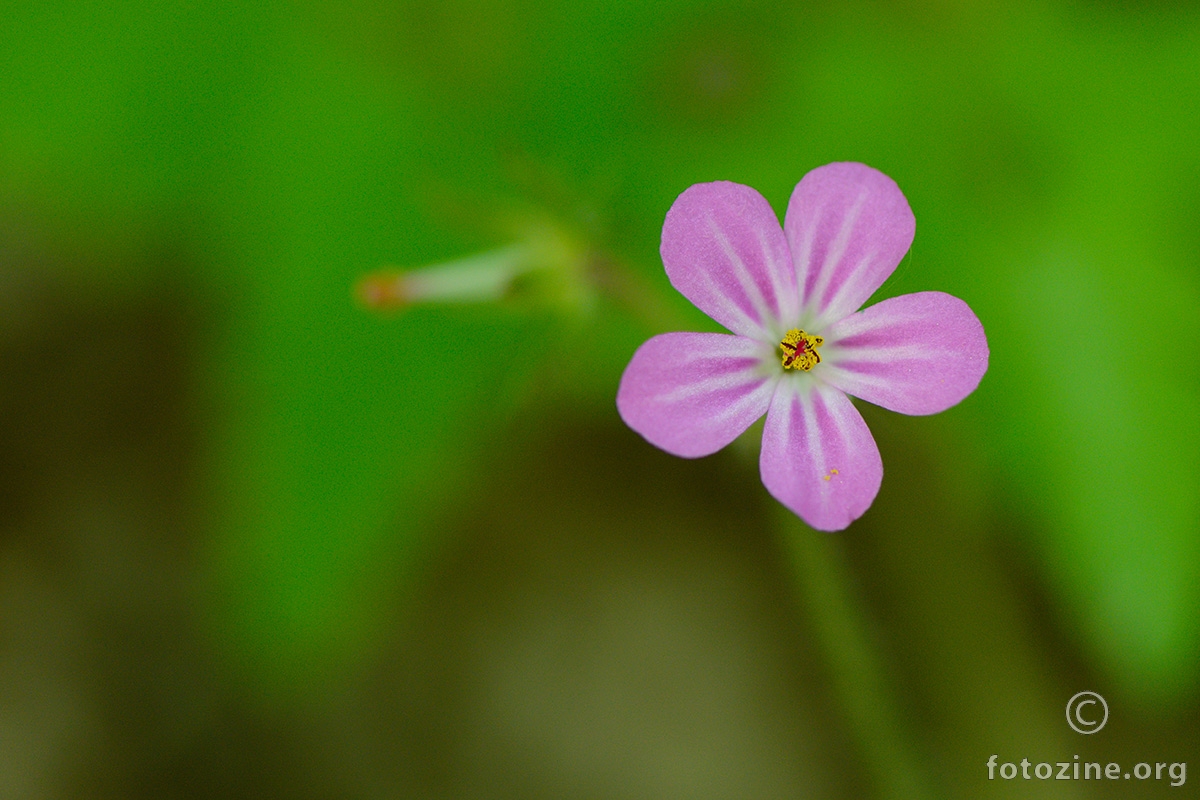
[{"x": 260, "y": 540}]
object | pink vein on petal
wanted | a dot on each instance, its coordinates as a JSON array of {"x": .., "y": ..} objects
[
  {"x": 693, "y": 393},
  {"x": 724, "y": 250},
  {"x": 818, "y": 456},
  {"x": 916, "y": 354},
  {"x": 848, "y": 227}
]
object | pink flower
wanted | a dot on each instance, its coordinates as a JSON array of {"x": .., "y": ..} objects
[{"x": 799, "y": 343}]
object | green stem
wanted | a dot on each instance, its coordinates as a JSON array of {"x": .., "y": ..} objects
[{"x": 822, "y": 580}]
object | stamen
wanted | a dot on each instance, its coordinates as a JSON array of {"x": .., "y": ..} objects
[{"x": 800, "y": 350}]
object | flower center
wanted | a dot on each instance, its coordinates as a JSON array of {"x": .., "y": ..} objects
[{"x": 800, "y": 350}]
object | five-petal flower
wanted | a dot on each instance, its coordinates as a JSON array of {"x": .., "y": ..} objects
[{"x": 799, "y": 344}]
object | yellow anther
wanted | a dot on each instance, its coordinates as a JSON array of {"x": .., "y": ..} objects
[{"x": 800, "y": 350}]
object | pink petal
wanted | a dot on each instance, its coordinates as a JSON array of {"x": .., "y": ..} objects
[
  {"x": 693, "y": 393},
  {"x": 916, "y": 354},
  {"x": 848, "y": 226},
  {"x": 724, "y": 250},
  {"x": 818, "y": 456}
]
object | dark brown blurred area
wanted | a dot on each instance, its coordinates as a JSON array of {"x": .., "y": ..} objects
[
  {"x": 563, "y": 645},
  {"x": 570, "y": 646},
  {"x": 107, "y": 688}
]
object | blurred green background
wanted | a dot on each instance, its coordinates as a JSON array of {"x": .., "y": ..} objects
[{"x": 260, "y": 541}]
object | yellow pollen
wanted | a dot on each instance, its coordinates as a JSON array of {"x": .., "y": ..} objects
[{"x": 800, "y": 350}]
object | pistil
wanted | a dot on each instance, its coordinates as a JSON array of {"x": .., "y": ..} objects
[{"x": 800, "y": 350}]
